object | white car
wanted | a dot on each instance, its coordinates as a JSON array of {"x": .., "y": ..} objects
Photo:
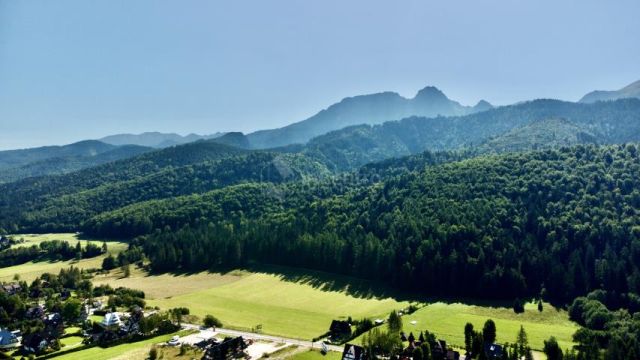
[{"x": 175, "y": 340}]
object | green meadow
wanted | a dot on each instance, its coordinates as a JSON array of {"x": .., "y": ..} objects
[
  {"x": 315, "y": 355},
  {"x": 120, "y": 352},
  {"x": 286, "y": 308},
  {"x": 31, "y": 270},
  {"x": 302, "y": 304},
  {"x": 447, "y": 321}
]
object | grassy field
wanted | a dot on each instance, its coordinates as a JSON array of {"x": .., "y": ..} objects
[
  {"x": 71, "y": 238},
  {"x": 121, "y": 352},
  {"x": 315, "y": 355},
  {"x": 282, "y": 308},
  {"x": 71, "y": 341},
  {"x": 31, "y": 270},
  {"x": 299, "y": 307},
  {"x": 447, "y": 321},
  {"x": 167, "y": 285},
  {"x": 291, "y": 304}
]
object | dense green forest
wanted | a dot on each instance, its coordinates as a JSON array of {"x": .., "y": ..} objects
[
  {"x": 170, "y": 182},
  {"x": 64, "y": 202},
  {"x": 556, "y": 222}
]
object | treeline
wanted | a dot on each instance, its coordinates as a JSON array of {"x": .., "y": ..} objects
[
  {"x": 48, "y": 250},
  {"x": 555, "y": 223}
]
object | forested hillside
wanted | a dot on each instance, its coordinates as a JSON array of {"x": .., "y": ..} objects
[
  {"x": 167, "y": 182},
  {"x": 604, "y": 122},
  {"x": 52, "y": 160},
  {"x": 20, "y": 157},
  {"x": 25, "y": 195},
  {"x": 66, "y": 164},
  {"x": 556, "y": 222},
  {"x": 66, "y": 201}
]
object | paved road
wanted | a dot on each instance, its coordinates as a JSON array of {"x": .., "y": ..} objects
[{"x": 254, "y": 336}]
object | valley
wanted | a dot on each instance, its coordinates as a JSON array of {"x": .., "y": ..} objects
[
  {"x": 294, "y": 303},
  {"x": 514, "y": 226}
]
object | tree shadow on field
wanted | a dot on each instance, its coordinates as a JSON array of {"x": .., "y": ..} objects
[{"x": 356, "y": 287}]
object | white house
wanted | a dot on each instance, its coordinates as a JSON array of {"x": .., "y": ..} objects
[{"x": 111, "y": 319}]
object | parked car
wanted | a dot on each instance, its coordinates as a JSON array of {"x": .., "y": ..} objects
[{"x": 175, "y": 340}]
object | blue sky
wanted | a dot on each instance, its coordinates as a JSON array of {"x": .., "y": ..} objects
[{"x": 77, "y": 69}]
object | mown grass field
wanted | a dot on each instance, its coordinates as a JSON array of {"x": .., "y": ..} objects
[
  {"x": 292, "y": 304},
  {"x": 297, "y": 306},
  {"x": 31, "y": 270},
  {"x": 283, "y": 308},
  {"x": 315, "y": 355},
  {"x": 167, "y": 285},
  {"x": 447, "y": 321},
  {"x": 71, "y": 238},
  {"x": 121, "y": 352}
]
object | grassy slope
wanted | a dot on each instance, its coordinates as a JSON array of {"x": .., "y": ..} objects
[
  {"x": 124, "y": 351},
  {"x": 31, "y": 270},
  {"x": 315, "y": 355},
  {"x": 447, "y": 321},
  {"x": 71, "y": 238},
  {"x": 281, "y": 307},
  {"x": 167, "y": 285},
  {"x": 298, "y": 307}
]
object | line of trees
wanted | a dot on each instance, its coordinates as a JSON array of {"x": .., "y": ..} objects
[{"x": 48, "y": 250}]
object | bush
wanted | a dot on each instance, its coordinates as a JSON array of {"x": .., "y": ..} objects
[{"x": 212, "y": 321}]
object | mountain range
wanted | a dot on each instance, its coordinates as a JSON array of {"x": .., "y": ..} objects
[
  {"x": 49, "y": 160},
  {"x": 364, "y": 109},
  {"x": 629, "y": 91},
  {"x": 155, "y": 139},
  {"x": 374, "y": 127}
]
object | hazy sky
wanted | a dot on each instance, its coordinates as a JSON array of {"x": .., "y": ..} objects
[{"x": 77, "y": 69}]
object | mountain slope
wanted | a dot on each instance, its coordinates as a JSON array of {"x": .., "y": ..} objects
[
  {"x": 629, "y": 91},
  {"x": 155, "y": 139},
  {"x": 67, "y": 164},
  {"x": 547, "y": 133},
  {"x": 495, "y": 226},
  {"x": 607, "y": 122},
  {"x": 21, "y": 157},
  {"x": 364, "y": 109},
  {"x": 31, "y": 193}
]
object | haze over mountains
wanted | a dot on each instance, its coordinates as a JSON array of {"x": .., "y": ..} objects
[
  {"x": 629, "y": 91},
  {"x": 374, "y": 127},
  {"x": 364, "y": 109},
  {"x": 155, "y": 139}
]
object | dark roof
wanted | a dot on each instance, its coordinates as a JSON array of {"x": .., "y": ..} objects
[
  {"x": 34, "y": 341},
  {"x": 340, "y": 326},
  {"x": 11, "y": 288},
  {"x": 227, "y": 349},
  {"x": 453, "y": 355},
  {"x": 493, "y": 351}
]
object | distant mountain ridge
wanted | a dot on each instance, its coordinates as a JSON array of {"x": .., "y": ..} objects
[
  {"x": 20, "y": 157},
  {"x": 155, "y": 139},
  {"x": 629, "y": 91},
  {"x": 53, "y": 160},
  {"x": 364, "y": 109},
  {"x": 601, "y": 122}
]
